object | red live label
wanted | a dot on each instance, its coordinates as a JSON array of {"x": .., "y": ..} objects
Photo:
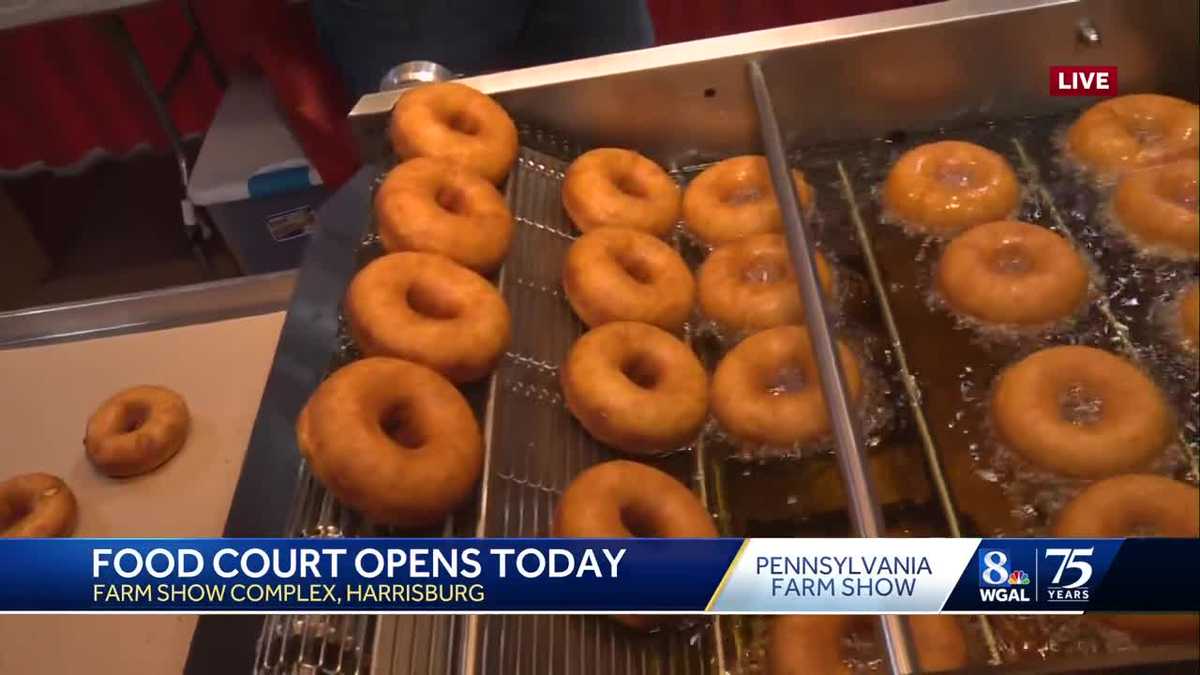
[{"x": 1083, "y": 80}]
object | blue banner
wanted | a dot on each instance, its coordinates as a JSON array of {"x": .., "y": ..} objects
[
  {"x": 369, "y": 575},
  {"x": 757, "y": 576}
]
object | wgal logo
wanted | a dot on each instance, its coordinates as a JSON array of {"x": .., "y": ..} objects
[{"x": 1000, "y": 579}]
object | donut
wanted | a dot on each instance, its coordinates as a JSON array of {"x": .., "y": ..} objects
[
  {"x": 619, "y": 499},
  {"x": 393, "y": 440},
  {"x": 1157, "y": 208},
  {"x": 1081, "y": 411},
  {"x": 1189, "y": 316},
  {"x": 635, "y": 387},
  {"x": 1010, "y": 272},
  {"x": 734, "y": 198},
  {"x": 940, "y": 188},
  {"x": 434, "y": 206},
  {"x": 1129, "y": 132},
  {"x": 611, "y": 187},
  {"x": 748, "y": 284},
  {"x": 452, "y": 121},
  {"x": 424, "y": 308},
  {"x": 136, "y": 430},
  {"x": 36, "y": 505},
  {"x": 1136, "y": 505},
  {"x": 767, "y": 390},
  {"x": 803, "y": 644},
  {"x": 614, "y": 274}
]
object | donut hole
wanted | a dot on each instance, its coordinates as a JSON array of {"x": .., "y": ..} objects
[
  {"x": 764, "y": 270},
  {"x": 1143, "y": 133},
  {"x": 399, "y": 423},
  {"x": 642, "y": 370},
  {"x": 955, "y": 173},
  {"x": 451, "y": 199},
  {"x": 1080, "y": 405},
  {"x": 789, "y": 379},
  {"x": 741, "y": 195},
  {"x": 427, "y": 302},
  {"x": 635, "y": 266},
  {"x": 463, "y": 123},
  {"x": 1011, "y": 258},
  {"x": 638, "y": 523},
  {"x": 630, "y": 186},
  {"x": 133, "y": 417},
  {"x": 14, "y": 510}
]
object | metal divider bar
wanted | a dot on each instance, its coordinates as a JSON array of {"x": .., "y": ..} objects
[
  {"x": 864, "y": 508},
  {"x": 932, "y": 458}
]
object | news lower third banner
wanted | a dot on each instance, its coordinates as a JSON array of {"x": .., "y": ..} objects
[{"x": 655, "y": 576}]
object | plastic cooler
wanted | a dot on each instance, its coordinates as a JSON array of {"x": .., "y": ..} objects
[{"x": 253, "y": 178}]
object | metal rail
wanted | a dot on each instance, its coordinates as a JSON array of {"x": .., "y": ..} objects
[{"x": 860, "y": 490}]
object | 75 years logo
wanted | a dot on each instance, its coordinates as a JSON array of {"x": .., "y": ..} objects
[{"x": 1072, "y": 574}]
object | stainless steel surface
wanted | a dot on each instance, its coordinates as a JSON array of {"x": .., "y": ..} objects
[
  {"x": 164, "y": 308},
  {"x": 865, "y": 513},
  {"x": 414, "y": 72},
  {"x": 861, "y": 76},
  {"x": 17, "y": 13}
]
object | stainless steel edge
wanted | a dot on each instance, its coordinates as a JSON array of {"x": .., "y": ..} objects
[
  {"x": 149, "y": 310},
  {"x": 589, "y": 100},
  {"x": 858, "y": 77},
  {"x": 270, "y": 477},
  {"x": 747, "y": 46},
  {"x": 847, "y": 432}
]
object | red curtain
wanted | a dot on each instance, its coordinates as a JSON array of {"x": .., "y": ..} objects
[{"x": 69, "y": 92}]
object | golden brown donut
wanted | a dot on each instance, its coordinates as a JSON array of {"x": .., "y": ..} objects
[
  {"x": 452, "y": 121},
  {"x": 1137, "y": 505},
  {"x": 748, "y": 284},
  {"x": 36, "y": 505},
  {"x": 1129, "y": 132},
  {"x": 941, "y": 188},
  {"x": 393, "y": 440},
  {"x": 615, "y": 274},
  {"x": 635, "y": 387},
  {"x": 424, "y": 308},
  {"x": 1081, "y": 411},
  {"x": 767, "y": 389},
  {"x": 807, "y": 644},
  {"x": 1010, "y": 272},
  {"x": 734, "y": 198},
  {"x": 1189, "y": 316},
  {"x": 612, "y": 187},
  {"x": 136, "y": 430},
  {"x": 1157, "y": 208},
  {"x": 619, "y": 499},
  {"x": 437, "y": 207}
]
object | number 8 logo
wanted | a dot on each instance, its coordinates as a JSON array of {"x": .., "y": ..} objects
[{"x": 995, "y": 571}]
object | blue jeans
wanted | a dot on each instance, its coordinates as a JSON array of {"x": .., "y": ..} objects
[{"x": 365, "y": 38}]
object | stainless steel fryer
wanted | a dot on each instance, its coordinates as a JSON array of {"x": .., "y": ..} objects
[{"x": 864, "y": 77}]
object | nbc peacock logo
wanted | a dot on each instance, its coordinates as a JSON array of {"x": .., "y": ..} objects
[{"x": 1018, "y": 578}]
